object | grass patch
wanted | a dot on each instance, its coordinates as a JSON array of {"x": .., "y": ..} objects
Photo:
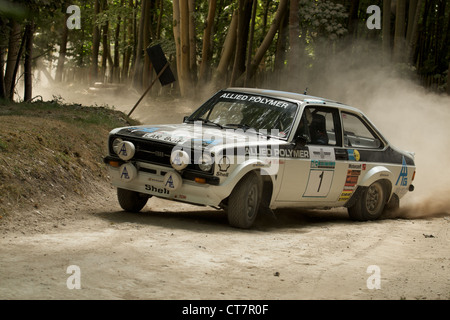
[{"x": 3, "y": 145}]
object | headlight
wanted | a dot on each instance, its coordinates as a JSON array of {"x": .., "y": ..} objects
[
  {"x": 205, "y": 162},
  {"x": 116, "y": 145},
  {"x": 124, "y": 149}
]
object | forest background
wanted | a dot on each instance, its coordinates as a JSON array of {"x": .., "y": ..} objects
[{"x": 288, "y": 44}]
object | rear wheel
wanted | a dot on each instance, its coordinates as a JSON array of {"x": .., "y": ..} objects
[
  {"x": 371, "y": 204},
  {"x": 244, "y": 201},
  {"x": 131, "y": 201}
]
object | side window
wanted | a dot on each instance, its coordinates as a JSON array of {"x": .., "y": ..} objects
[
  {"x": 357, "y": 133},
  {"x": 318, "y": 126}
]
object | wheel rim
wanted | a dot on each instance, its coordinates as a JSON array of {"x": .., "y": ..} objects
[
  {"x": 374, "y": 199},
  {"x": 252, "y": 200}
]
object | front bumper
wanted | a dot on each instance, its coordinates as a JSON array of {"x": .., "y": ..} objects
[{"x": 150, "y": 180}]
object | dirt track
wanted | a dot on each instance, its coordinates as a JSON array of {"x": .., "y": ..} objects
[{"x": 178, "y": 251}]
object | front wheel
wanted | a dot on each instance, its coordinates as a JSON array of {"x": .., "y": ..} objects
[
  {"x": 131, "y": 201},
  {"x": 370, "y": 205},
  {"x": 244, "y": 201}
]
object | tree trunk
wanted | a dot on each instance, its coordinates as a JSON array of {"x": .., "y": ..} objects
[
  {"x": 106, "y": 54},
  {"x": 227, "y": 51},
  {"x": 14, "y": 46},
  {"x": 206, "y": 48},
  {"x": 116, "y": 65},
  {"x": 128, "y": 39},
  {"x": 411, "y": 19},
  {"x": 386, "y": 32},
  {"x": 176, "y": 36},
  {"x": 29, "y": 32},
  {"x": 192, "y": 43},
  {"x": 294, "y": 45},
  {"x": 448, "y": 79},
  {"x": 62, "y": 50},
  {"x": 2, "y": 53},
  {"x": 158, "y": 24},
  {"x": 184, "y": 75},
  {"x": 250, "y": 41},
  {"x": 95, "y": 43},
  {"x": 146, "y": 42},
  {"x": 353, "y": 18},
  {"x": 399, "y": 35},
  {"x": 280, "y": 54},
  {"x": 138, "y": 65},
  {"x": 245, "y": 7},
  {"x": 268, "y": 38}
]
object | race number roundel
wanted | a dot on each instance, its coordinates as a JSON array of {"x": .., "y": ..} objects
[{"x": 126, "y": 150}]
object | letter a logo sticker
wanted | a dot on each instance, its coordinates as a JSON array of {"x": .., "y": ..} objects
[
  {"x": 170, "y": 183},
  {"x": 125, "y": 174},
  {"x": 123, "y": 150}
]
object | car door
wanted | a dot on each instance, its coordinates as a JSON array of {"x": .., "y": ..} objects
[{"x": 319, "y": 177}]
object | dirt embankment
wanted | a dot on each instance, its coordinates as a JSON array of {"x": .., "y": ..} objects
[{"x": 50, "y": 151}]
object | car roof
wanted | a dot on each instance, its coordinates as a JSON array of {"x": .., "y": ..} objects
[{"x": 292, "y": 96}]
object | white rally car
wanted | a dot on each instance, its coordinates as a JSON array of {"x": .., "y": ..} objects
[{"x": 253, "y": 150}]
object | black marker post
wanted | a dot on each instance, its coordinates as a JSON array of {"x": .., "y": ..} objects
[{"x": 161, "y": 66}]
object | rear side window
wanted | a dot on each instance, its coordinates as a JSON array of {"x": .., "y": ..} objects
[{"x": 358, "y": 134}]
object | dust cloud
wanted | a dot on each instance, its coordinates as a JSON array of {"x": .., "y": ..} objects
[{"x": 410, "y": 117}]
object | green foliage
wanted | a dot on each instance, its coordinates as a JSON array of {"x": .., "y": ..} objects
[{"x": 324, "y": 19}]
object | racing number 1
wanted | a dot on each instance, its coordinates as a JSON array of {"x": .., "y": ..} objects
[{"x": 320, "y": 183}]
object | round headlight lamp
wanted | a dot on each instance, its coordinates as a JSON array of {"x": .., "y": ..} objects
[
  {"x": 116, "y": 145},
  {"x": 124, "y": 149},
  {"x": 205, "y": 162}
]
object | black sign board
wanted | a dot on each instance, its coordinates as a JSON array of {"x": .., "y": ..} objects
[{"x": 159, "y": 61}]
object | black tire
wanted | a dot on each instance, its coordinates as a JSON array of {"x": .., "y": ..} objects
[
  {"x": 371, "y": 204},
  {"x": 131, "y": 201},
  {"x": 244, "y": 201}
]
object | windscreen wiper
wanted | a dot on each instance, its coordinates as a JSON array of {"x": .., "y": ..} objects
[
  {"x": 246, "y": 127},
  {"x": 206, "y": 121}
]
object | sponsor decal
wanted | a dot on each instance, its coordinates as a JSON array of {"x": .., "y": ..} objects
[
  {"x": 319, "y": 164},
  {"x": 353, "y": 155},
  {"x": 149, "y": 187},
  {"x": 277, "y": 152},
  {"x": 164, "y": 136},
  {"x": 403, "y": 176},
  {"x": 322, "y": 153},
  {"x": 350, "y": 183},
  {"x": 257, "y": 99},
  {"x": 223, "y": 164}
]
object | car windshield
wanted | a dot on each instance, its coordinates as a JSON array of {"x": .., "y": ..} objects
[{"x": 265, "y": 115}]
